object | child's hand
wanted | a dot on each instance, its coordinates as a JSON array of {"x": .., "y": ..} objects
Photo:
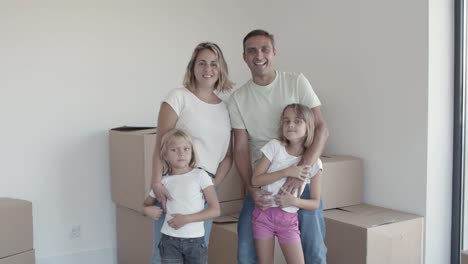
[
  {"x": 299, "y": 172},
  {"x": 178, "y": 221},
  {"x": 153, "y": 212},
  {"x": 285, "y": 199}
]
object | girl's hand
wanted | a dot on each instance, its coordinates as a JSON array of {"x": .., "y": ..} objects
[
  {"x": 178, "y": 221},
  {"x": 285, "y": 199},
  {"x": 153, "y": 212},
  {"x": 299, "y": 172},
  {"x": 162, "y": 195}
]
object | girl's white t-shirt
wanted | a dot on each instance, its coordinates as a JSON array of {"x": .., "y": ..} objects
[
  {"x": 280, "y": 159},
  {"x": 186, "y": 191},
  {"x": 208, "y": 125}
]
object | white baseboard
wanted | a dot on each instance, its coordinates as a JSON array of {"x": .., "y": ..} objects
[{"x": 99, "y": 256}]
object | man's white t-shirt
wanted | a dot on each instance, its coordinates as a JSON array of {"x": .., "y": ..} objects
[
  {"x": 186, "y": 191},
  {"x": 280, "y": 159},
  {"x": 258, "y": 108},
  {"x": 207, "y": 124}
]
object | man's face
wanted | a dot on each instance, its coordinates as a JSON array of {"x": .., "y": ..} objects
[{"x": 259, "y": 55}]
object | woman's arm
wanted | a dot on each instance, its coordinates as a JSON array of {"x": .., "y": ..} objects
[
  {"x": 225, "y": 165},
  {"x": 213, "y": 210},
  {"x": 287, "y": 199},
  {"x": 262, "y": 177},
  {"x": 167, "y": 119}
]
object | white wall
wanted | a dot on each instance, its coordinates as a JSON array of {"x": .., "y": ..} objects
[{"x": 71, "y": 71}]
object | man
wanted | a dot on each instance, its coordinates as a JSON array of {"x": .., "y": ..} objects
[{"x": 255, "y": 109}]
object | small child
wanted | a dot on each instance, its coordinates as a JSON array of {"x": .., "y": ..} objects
[
  {"x": 183, "y": 231},
  {"x": 279, "y": 161}
]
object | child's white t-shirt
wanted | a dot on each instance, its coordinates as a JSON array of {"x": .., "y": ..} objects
[
  {"x": 280, "y": 159},
  {"x": 187, "y": 198}
]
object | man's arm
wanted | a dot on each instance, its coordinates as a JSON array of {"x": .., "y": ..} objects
[
  {"x": 243, "y": 162},
  {"x": 312, "y": 154}
]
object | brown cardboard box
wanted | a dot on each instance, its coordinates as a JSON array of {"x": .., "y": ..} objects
[
  {"x": 464, "y": 257},
  {"x": 131, "y": 152},
  {"x": 374, "y": 235},
  {"x": 135, "y": 233},
  {"x": 223, "y": 242},
  {"x": 342, "y": 181},
  {"x": 134, "y": 236},
  {"x": 16, "y": 226},
  {"x": 21, "y": 258}
]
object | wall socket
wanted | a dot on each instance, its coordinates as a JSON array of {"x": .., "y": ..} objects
[{"x": 75, "y": 232}]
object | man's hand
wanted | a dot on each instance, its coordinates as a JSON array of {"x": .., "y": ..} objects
[
  {"x": 292, "y": 185},
  {"x": 178, "y": 221},
  {"x": 260, "y": 198},
  {"x": 298, "y": 172},
  {"x": 285, "y": 199},
  {"x": 162, "y": 195},
  {"x": 153, "y": 212}
]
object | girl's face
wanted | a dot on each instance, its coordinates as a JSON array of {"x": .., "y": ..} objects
[
  {"x": 294, "y": 128},
  {"x": 179, "y": 153},
  {"x": 206, "y": 69}
]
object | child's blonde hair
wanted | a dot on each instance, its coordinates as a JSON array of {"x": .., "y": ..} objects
[
  {"x": 167, "y": 139},
  {"x": 305, "y": 113}
]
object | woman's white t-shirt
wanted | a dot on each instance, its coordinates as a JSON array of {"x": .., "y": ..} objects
[{"x": 208, "y": 125}]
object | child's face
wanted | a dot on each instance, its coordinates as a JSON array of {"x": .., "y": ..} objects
[
  {"x": 294, "y": 128},
  {"x": 179, "y": 153}
]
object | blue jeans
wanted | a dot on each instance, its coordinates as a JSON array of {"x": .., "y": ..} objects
[
  {"x": 156, "y": 257},
  {"x": 311, "y": 225},
  {"x": 183, "y": 250}
]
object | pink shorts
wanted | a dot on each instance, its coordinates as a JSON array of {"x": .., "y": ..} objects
[{"x": 274, "y": 221}]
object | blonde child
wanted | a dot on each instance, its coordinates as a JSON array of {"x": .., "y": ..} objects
[
  {"x": 183, "y": 231},
  {"x": 279, "y": 161}
]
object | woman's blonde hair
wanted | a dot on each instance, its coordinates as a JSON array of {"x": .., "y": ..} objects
[
  {"x": 305, "y": 113},
  {"x": 223, "y": 84},
  {"x": 167, "y": 140}
]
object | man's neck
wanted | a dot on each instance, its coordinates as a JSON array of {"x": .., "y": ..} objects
[{"x": 264, "y": 80}]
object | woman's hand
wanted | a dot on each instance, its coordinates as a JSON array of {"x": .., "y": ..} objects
[
  {"x": 260, "y": 198},
  {"x": 153, "y": 212},
  {"x": 162, "y": 195}
]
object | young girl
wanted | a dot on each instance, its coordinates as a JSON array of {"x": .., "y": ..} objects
[
  {"x": 278, "y": 162},
  {"x": 183, "y": 231}
]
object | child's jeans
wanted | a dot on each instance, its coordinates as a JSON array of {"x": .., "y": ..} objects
[
  {"x": 274, "y": 221},
  {"x": 183, "y": 250}
]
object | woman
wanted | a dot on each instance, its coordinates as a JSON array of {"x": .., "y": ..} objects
[{"x": 197, "y": 109}]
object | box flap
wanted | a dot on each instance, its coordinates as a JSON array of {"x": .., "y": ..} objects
[
  {"x": 368, "y": 216},
  {"x": 135, "y": 130},
  {"x": 227, "y": 219}
]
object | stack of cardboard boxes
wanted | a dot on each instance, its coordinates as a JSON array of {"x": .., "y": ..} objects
[
  {"x": 16, "y": 232},
  {"x": 356, "y": 232}
]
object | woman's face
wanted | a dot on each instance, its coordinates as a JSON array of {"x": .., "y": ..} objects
[{"x": 206, "y": 69}]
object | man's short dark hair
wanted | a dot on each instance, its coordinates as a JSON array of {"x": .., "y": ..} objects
[{"x": 259, "y": 32}]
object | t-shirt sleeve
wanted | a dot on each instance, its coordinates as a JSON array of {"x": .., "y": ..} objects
[
  {"x": 315, "y": 168},
  {"x": 306, "y": 94},
  {"x": 234, "y": 114},
  {"x": 204, "y": 179},
  {"x": 151, "y": 194},
  {"x": 175, "y": 98},
  {"x": 271, "y": 149}
]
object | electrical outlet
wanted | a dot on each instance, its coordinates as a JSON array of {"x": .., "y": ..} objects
[{"x": 75, "y": 232}]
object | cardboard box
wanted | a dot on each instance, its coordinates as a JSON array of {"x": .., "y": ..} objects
[
  {"x": 21, "y": 258},
  {"x": 16, "y": 226},
  {"x": 374, "y": 235},
  {"x": 342, "y": 181},
  {"x": 134, "y": 236},
  {"x": 131, "y": 157},
  {"x": 223, "y": 242},
  {"x": 464, "y": 257}
]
